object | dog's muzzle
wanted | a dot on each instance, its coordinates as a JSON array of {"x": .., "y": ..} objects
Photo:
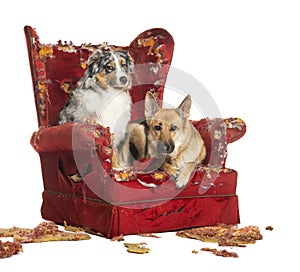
[{"x": 165, "y": 148}]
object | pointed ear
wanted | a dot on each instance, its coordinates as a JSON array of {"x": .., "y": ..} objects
[
  {"x": 151, "y": 106},
  {"x": 184, "y": 108}
]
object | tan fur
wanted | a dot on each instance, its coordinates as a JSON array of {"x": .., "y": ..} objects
[
  {"x": 172, "y": 135},
  {"x": 102, "y": 80},
  {"x": 135, "y": 135},
  {"x": 115, "y": 161}
]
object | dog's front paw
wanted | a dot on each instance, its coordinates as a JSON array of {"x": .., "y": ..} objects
[
  {"x": 182, "y": 180},
  {"x": 185, "y": 174},
  {"x": 170, "y": 169}
]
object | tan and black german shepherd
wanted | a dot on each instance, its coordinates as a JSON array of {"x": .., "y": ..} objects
[{"x": 172, "y": 137}]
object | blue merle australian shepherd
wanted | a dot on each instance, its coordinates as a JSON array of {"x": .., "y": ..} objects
[{"x": 102, "y": 95}]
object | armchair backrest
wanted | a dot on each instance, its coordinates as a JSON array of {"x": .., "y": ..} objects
[{"x": 56, "y": 69}]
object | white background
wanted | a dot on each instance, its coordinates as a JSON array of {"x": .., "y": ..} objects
[{"x": 246, "y": 54}]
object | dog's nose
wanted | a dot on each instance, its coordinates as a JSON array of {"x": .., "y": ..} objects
[
  {"x": 123, "y": 79},
  {"x": 166, "y": 148}
]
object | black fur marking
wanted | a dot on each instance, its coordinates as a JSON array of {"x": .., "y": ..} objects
[
  {"x": 133, "y": 151},
  {"x": 99, "y": 62},
  {"x": 125, "y": 55}
]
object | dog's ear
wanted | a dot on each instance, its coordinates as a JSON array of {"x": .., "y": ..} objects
[
  {"x": 184, "y": 108},
  {"x": 93, "y": 62},
  {"x": 129, "y": 61},
  {"x": 151, "y": 106},
  {"x": 130, "y": 64}
]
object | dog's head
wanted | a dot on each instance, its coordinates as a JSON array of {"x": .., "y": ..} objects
[
  {"x": 166, "y": 126},
  {"x": 110, "y": 68}
]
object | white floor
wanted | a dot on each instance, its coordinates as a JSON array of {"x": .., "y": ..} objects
[
  {"x": 245, "y": 53},
  {"x": 168, "y": 252}
]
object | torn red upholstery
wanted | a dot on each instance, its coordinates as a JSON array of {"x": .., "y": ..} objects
[{"x": 80, "y": 185}]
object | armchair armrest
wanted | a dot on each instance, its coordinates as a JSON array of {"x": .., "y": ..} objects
[
  {"x": 66, "y": 137},
  {"x": 217, "y": 134},
  {"x": 84, "y": 139}
]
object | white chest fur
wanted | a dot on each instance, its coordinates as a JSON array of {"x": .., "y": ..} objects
[{"x": 112, "y": 108}]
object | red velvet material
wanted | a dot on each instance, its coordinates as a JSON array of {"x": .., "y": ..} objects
[
  {"x": 100, "y": 202},
  {"x": 62, "y": 137},
  {"x": 59, "y": 166},
  {"x": 55, "y": 65},
  {"x": 112, "y": 220},
  {"x": 217, "y": 134}
]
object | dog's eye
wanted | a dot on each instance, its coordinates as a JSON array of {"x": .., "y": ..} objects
[
  {"x": 158, "y": 128},
  {"x": 109, "y": 68},
  {"x": 173, "y": 128}
]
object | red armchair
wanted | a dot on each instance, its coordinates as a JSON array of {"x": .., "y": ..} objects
[{"x": 80, "y": 186}]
